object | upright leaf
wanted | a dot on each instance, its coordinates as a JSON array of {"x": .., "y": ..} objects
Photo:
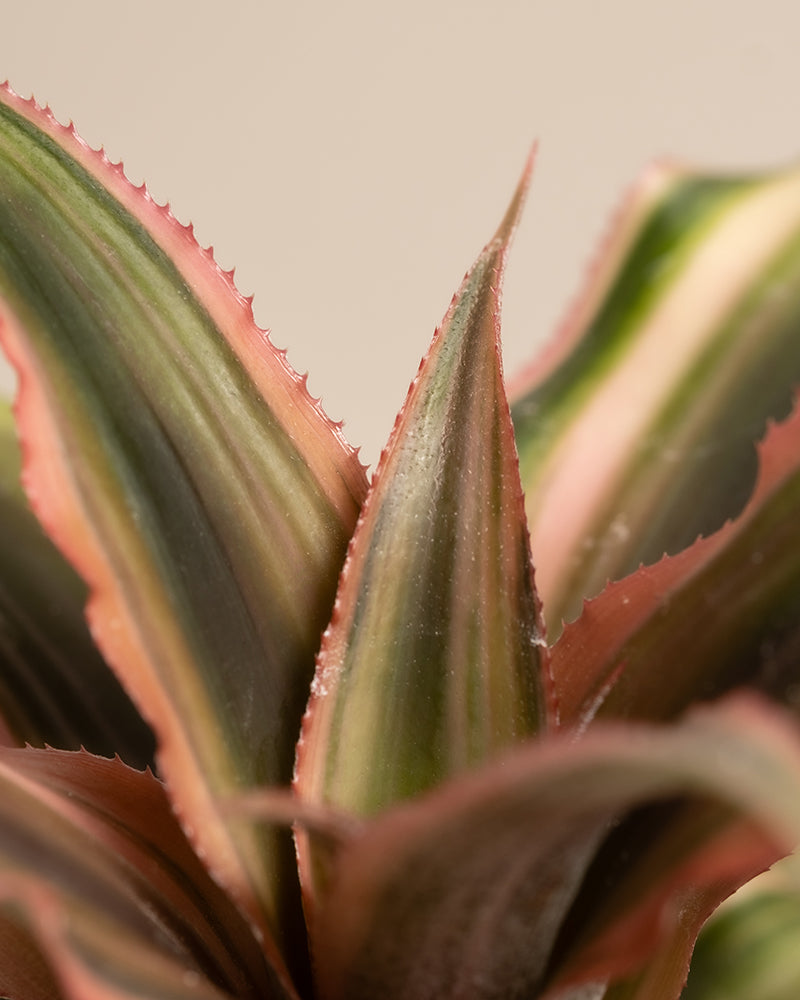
[
  {"x": 636, "y": 430},
  {"x": 182, "y": 467},
  {"x": 433, "y": 661}
]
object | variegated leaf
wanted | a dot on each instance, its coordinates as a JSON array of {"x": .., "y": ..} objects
[
  {"x": 92, "y": 861},
  {"x": 433, "y": 661},
  {"x": 464, "y": 892},
  {"x": 183, "y": 469},
  {"x": 636, "y": 429},
  {"x": 724, "y": 612}
]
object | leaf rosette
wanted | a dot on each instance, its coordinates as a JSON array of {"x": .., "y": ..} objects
[{"x": 509, "y": 781}]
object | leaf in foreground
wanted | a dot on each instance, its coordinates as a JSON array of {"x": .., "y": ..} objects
[
  {"x": 462, "y": 893},
  {"x": 94, "y": 864},
  {"x": 181, "y": 499}
]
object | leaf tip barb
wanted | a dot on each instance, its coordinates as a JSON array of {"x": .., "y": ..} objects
[{"x": 510, "y": 222}]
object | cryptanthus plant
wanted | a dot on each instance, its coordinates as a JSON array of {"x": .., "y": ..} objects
[{"x": 270, "y": 730}]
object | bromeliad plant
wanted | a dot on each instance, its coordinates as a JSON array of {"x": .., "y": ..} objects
[{"x": 500, "y": 789}]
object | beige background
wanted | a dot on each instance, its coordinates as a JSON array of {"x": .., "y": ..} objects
[{"x": 352, "y": 157}]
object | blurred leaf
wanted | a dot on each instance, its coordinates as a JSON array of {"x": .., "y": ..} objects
[
  {"x": 23, "y": 969},
  {"x": 183, "y": 469},
  {"x": 722, "y": 613},
  {"x": 89, "y": 841},
  {"x": 463, "y": 892},
  {"x": 91, "y": 959},
  {"x": 749, "y": 949},
  {"x": 54, "y": 686},
  {"x": 433, "y": 660},
  {"x": 636, "y": 429},
  {"x": 650, "y": 887}
]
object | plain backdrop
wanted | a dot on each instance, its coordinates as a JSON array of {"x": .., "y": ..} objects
[{"x": 351, "y": 158}]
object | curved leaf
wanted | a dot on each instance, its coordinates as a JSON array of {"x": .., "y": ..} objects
[
  {"x": 54, "y": 686},
  {"x": 722, "y": 613},
  {"x": 748, "y": 950},
  {"x": 663, "y": 869},
  {"x": 636, "y": 431},
  {"x": 183, "y": 469},
  {"x": 89, "y": 842},
  {"x": 88, "y": 959},
  {"x": 463, "y": 893},
  {"x": 433, "y": 660}
]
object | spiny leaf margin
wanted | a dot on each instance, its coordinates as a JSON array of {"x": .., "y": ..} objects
[
  {"x": 297, "y": 499},
  {"x": 436, "y": 627}
]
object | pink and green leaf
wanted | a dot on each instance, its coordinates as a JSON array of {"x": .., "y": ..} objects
[
  {"x": 636, "y": 430},
  {"x": 54, "y": 686},
  {"x": 722, "y": 613},
  {"x": 181, "y": 466},
  {"x": 433, "y": 662},
  {"x": 660, "y": 873},
  {"x": 91, "y": 852},
  {"x": 464, "y": 892},
  {"x": 86, "y": 958}
]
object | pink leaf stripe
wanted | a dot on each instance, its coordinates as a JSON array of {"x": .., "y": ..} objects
[
  {"x": 436, "y": 628},
  {"x": 624, "y": 655},
  {"x": 462, "y": 892},
  {"x": 180, "y": 501}
]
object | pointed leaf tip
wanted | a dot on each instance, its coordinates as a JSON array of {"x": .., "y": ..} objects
[
  {"x": 510, "y": 222},
  {"x": 436, "y": 629}
]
